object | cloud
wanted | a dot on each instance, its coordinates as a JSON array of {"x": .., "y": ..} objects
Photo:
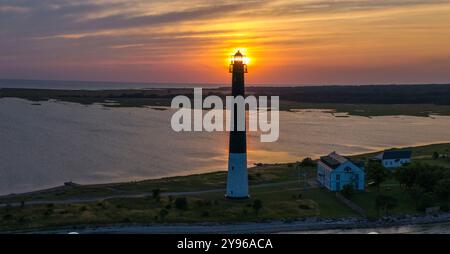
[{"x": 95, "y": 32}]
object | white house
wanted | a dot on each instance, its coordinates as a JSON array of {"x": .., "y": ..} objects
[
  {"x": 394, "y": 158},
  {"x": 335, "y": 171}
]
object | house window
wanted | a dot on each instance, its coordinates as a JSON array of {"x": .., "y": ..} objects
[{"x": 338, "y": 177}]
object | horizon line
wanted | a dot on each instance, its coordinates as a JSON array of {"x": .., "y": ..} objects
[{"x": 215, "y": 84}]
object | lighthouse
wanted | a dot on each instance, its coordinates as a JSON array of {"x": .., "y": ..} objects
[{"x": 237, "y": 181}]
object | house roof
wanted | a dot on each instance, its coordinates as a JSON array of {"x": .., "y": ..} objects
[
  {"x": 330, "y": 162},
  {"x": 334, "y": 160},
  {"x": 396, "y": 154}
]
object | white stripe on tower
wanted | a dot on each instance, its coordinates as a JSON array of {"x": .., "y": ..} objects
[{"x": 237, "y": 182}]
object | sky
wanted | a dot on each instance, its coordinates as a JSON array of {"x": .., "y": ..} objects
[{"x": 189, "y": 41}]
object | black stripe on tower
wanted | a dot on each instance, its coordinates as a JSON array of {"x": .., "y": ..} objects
[{"x": 238, "y": 143}]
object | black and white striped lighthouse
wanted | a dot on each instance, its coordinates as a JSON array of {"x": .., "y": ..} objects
[{"x": 237, "y": 181}]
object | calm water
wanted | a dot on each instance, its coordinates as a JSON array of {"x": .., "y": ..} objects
[{"x": 48, "y": 144}]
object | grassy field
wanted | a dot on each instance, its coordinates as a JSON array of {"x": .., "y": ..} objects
[
  {"x": 278, "y": 203},
  {"x": 366, "y": 200},
  {"x": 216, "y": 180},
  {"x": 287, "y": 201}
]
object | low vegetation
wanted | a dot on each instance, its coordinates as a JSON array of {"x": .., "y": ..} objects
[{"x": 380, "y": 100}]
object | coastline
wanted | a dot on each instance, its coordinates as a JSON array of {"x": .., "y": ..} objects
[
  {"x": 306, "y": 225},
  {"x": 342, "y": 100},
  {"x": 168, "y": 178}
]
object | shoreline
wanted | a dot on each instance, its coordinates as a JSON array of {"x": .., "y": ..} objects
[
  {"x": 250, "y": 167},
  {"x": 306, "y": 225},
  {"x": 342, "y": 100}
]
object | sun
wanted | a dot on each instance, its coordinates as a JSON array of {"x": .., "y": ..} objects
[{"x": 244, "y": 51}]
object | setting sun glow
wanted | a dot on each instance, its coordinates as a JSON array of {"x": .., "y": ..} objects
[{"x": 286, "y": 42}]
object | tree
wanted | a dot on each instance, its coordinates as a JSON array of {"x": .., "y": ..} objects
[
  {"x": 442, "y": 189},
  {"x": 386, "y": 203},
  {"x": 407, "y": 176},
  {"x": 163, "y": 213},
  {"x": 377, "y": 174},
  {"x": 257, "y": 205},
  {"x": 156, "y": 193},
  {"x": 347, "y": 191},
  {"x": 435, "y": 155},
  {"x": 428, "y": 176},
  {"x": 423, "y": 175},
  {"x": 307, "y": 162},
  {"x": 426, "y": 200},
  {"x": 181, "y": 203},
  {"x": 416, "y": 193}
]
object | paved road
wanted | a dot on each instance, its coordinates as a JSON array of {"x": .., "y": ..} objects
[{"x": 140, "y": 195}]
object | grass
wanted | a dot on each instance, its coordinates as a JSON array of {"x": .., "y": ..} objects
[
  {"x": 366, "y": 200},
  {"x": 215, "y": 180},
  {"x": 278, "y": 203}
]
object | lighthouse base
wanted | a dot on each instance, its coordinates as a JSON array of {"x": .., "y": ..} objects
[{"x": 237, "y": 181}]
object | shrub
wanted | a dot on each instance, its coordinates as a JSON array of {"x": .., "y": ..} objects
[
  {"x": 435, "y": 155},
  {"x": 7, "y": 216},
  {"x": 377, "y": 173},
  {"x": 181, "y": 203},
  {"x": 307, "y": 162},
  {"x": 163, "y": 213},
  {"x": 426, "y": 200},
  {"x": 348, "y": 191},
  {"x": 386, "y": 203},
  {"x": 257, "y": 205},
  {"x": 156, "y": 194},
  {"x": 444, "y": 207},
  {"x": 304, "y": 206}
]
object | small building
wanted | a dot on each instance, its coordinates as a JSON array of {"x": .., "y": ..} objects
[
  {"x": 394, "y": 158},
  {"x": 334, "y": 171}
]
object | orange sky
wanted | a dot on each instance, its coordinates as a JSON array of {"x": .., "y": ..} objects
[{"x": 288, "y": 42}]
